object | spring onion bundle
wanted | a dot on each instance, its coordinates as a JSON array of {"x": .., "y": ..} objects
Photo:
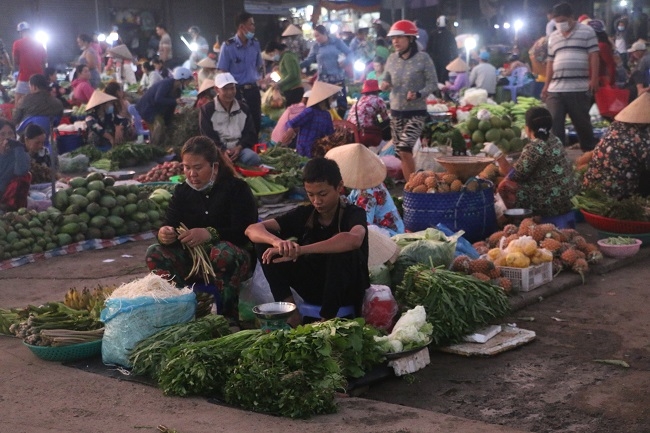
[{"x": 200, "y": 260}]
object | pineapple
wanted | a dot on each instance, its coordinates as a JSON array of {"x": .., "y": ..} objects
[
  {"x": 456, "y": 186},
  {"x": 493, "y": 240},
  {"x": 461, "y": 264},
  {"x": 580, "y": 266},
  {"x": 483, "y": 266},
  {"x": 449, "y": 178},
  {"x": 481, "y": 247},
  {"x": 540, "y": 231},
  {"x": 420, "y": 188},
  {"x": 505, "y": 284},
  {"x": 525, "y": 226},
  {"x": 510, "y": 229},
  {"x": 430, "y": 182},
  {"x": 569, "y": 257},
  {"x": 472, "y": 186},
  {"x": 551, "y": 244},
  {"x": 480, "y": 276}
]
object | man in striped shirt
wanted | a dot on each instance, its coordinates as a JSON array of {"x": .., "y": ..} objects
[{"x": 571, "y": 75}]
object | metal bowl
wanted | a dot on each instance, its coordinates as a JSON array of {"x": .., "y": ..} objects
[
  {"x": 518, "y": 213},
  {"x": 274, "y": 310}
]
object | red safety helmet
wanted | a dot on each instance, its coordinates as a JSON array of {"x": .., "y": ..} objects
[{"x": 403, "y": 28}]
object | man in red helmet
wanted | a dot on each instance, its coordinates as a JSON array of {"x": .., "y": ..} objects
[{"x": 410, "y": 75}]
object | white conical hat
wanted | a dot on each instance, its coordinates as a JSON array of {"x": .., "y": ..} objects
[
  {"x": 205, "y": 85},
  {"x": 321, "y": 91},
  {"x": 457, "y": 65},
  {"x": 638, "y": 111},
  {"x": 98, "y": 98},
  {"x": 381, "y": 248},
  {"x": 359, "y": 166},
  {"x": 121, "y": 51},
  {"x": 292, "y": 30},
  {"x": 207, "y": 63}
]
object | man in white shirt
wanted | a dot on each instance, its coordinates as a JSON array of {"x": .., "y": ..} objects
[{"x": 484, "y": 75}]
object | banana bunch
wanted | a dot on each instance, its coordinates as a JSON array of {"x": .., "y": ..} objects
[
  {"x": 92, "y": 301},
  {"x": 518, "y": 111}
]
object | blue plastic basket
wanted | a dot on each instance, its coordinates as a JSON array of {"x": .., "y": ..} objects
[
  {"x": 470, "y": 211},
  {"x": 68, "y": 143}
]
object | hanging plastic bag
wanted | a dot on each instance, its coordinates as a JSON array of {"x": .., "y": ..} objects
[
  {"x": 379, "y": 307},
  {"x": 254, "y": 291}
]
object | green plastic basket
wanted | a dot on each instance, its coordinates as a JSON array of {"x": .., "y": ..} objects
[{"x": 67, "y": 353}]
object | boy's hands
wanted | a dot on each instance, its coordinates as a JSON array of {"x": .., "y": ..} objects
[{"x": 282, "y": 251}]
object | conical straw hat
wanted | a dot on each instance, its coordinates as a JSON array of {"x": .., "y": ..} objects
[
  {"x": 638, "y": 111},
  {"x": 381, "y": 248},
  {"x": 121, "y": 51},
  {"x": 98, "y": 98},
  {"x": 457, "y": 65},
  {"x": 205, "y": 85},
  {"x": 321, "y": 91},
  {"x": 360, "y": 167},
  {"x": 292, "y": 30},
  {"x": 207, "y": 63}
]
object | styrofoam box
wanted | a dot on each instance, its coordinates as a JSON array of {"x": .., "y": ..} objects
[{"x": 527, "y": 279}]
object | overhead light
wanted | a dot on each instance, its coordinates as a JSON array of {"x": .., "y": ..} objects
[
  {"x": 334, "y": 28},
  {"x": 101, "y": 37},
  {"x": 519, "y": 24},
  {"x": 275, "y": 76},
  {"x": 470, "y": 43},
  {"x": 42, "y": 38},
  {"x": 359, "y": 66},
  {"x": 506, "y": 25},
  {"x": 496, "y": 26},
  {"x": 456, "y": 24}
]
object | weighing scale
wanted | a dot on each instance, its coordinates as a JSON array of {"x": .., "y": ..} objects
[{"x": 273, "y": 316}]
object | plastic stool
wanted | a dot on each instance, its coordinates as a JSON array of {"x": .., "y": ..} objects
[
  {"x": 565, "y": 221},
  {"x": 211, "y": 289},
  {"x": 313, "y": 311}
]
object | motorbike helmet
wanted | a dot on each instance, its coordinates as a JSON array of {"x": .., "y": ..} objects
[{"x": 403, "y": 28}]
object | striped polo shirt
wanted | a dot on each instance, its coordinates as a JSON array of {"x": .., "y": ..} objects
[{"x": 570, "y": 56}]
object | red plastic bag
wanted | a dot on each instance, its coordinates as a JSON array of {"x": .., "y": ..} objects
[
  {"x": 611, "y": 101},
  {"x": 379, "y": 307}
]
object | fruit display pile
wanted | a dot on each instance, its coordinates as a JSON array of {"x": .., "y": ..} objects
[
  {"x": 483, "y": 270},
  {"x": 493, "y": 128},
  {"x": 430, "y": 182},
  {"x": 531, "y": 243},
  {"x": 161, "y": 172},
  {"x": 91, "y": 208}
]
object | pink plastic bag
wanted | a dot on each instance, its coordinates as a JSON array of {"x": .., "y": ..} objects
[{"x": 379, "y": 307}]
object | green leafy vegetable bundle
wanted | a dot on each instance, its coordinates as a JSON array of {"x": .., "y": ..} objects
[
  {"x": 597, "y": 202},
  {"x": 296, "y": 373},
  {"x": 282, "y": 158},
  {"x": 442, "y": 133},
  {"x": 202, "y": 368},
  {"x": 150, "y": 354},
  {"x": 455, "y": 304}
]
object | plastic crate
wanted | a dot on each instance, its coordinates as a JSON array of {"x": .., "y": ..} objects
[
  {"x": 67, "y": 353},
  {"x": 527, "y": 279}
]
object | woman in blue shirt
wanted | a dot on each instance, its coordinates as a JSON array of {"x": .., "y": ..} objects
[
  {"x": 364, "y": 172},
  {"x": 14, "y": 169},
  {"x": 331, "y": 54}
]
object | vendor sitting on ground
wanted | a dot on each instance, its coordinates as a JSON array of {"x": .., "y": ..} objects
[
  {"x": 216, "y": 207},
  {"x": 33, "y": 137},
  {"x": 453, "y": 89},
  {"x": 366, "y": 112},
  {"x": 205, "y": 94},
  {"x": 105, "y": 126},
  {"x": 315, "y": 121},
  {"x": 542, "y": 179},
  {"x": 320, "y": 250},
  {"x": 229, "y": 123},
  {"x": 620, "y": 165},
  {"x": 291, "y": 112},
  {"x": 39, "y": 101},
  {"x": 15, "y": 178},
  {"x": 364, "y": 173}
]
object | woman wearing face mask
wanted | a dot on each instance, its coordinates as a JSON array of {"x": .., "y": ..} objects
[
  {"x": 410, "y": 76},
  {"x": 216, "y": 207},
  {"x": 290, "y": 83},
  {"x": 105, "y": 126},
  {"x": 314, "y": 122},
  {"x": 621, "y": 40}
]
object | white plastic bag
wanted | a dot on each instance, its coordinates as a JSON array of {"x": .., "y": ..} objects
[
  {"x": 474, "y": 97},
  {"x": 254, "y": 291}
]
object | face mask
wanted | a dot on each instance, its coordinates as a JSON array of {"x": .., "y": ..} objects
[
  {"x": 204, "y": 187},
  {"x": 621, "y": 28},
  {"x": 250, "y": 35},
  {"x": 334, "y": 104},
  {"x": 563, "y": 27},
  {"x": 110, "y": 109},
  {"x": 276, "y": 58}
]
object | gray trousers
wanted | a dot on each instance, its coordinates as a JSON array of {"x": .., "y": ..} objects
[{"x": 576, "y": 105}]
